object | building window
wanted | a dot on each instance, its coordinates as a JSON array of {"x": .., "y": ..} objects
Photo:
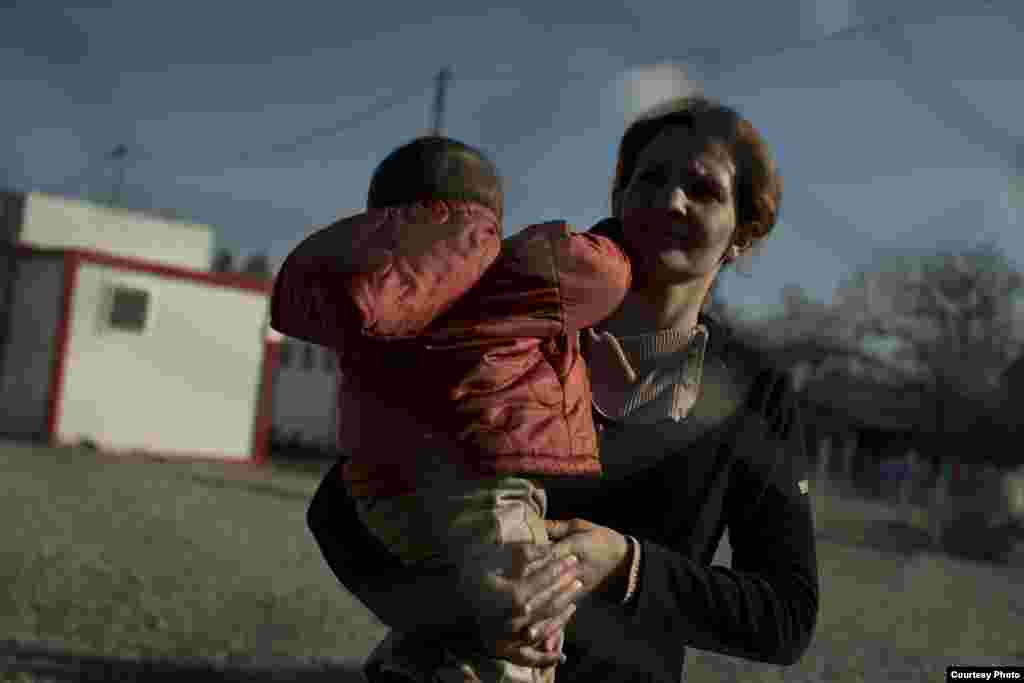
[
  {"x": 308, "y": 357},
  {"x": 285, "y": 354},
  {"x": 330, "y": 360},
  {"x": 129, "y": 309}
]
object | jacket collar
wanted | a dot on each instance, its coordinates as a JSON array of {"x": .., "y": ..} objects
[{"x": 719, "y": 335}]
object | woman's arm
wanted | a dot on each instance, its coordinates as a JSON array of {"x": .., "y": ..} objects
[
  {"x": 476, "y": 603},
  {"x": 765, "y": 607},
  {"x": 371, "y": 573}
]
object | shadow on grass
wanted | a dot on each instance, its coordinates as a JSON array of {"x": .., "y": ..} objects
[
  {"x": 261, "y": 487},
  {"x": 897, "y": 537},
  {"x": 49, "y": 663},
  {"x": 978, "y": 543}
]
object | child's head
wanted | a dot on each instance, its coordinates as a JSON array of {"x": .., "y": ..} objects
[{"x": 436, "y": 168}]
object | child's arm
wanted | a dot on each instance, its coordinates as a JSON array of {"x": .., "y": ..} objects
[
  {"x": 594, "y": 277},
  {"x": 591, "y": 271},
  {"x": 386, "y": 273}
]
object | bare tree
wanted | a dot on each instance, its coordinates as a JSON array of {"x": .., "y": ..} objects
[
  {"x": 950, "y": 315},
  {"x": 794, "y": 299},
  {"x": 223, "y": 261},
  {"x": 258, "y": 265},
  {"x": 714, "y": 302},
  {"x": 948, "y": 318},
  {"x": 808, "y": 331}
]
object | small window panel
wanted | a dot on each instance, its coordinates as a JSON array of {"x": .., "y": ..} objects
[
  {"x": 129, "y": 309},
  {"x": 308, "y": 357},
  {"x": 285, "y": 357},
  {"x": 330, "y": 361}
]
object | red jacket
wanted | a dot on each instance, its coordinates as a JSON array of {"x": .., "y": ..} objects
[{"x": 448, "y": 337}]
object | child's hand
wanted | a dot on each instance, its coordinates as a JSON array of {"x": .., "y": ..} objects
[
  {"x": 524, "y": 597},
  {"x": 543, "y": 652},
  {"x": 552, "y": 642}
]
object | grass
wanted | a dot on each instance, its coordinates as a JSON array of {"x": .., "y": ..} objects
[
  {"x": 143, "y": 558},
  {"x": 203, "y": 559},
  {"x": 888, "y": 608}
]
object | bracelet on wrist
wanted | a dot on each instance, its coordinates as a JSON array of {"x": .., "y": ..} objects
[{"x": 634, "y": 570}]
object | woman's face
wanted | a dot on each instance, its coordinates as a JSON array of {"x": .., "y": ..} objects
[{"x": 679, "y": 209}]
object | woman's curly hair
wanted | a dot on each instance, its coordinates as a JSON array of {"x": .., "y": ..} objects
[{"x": 758, "y": 183}]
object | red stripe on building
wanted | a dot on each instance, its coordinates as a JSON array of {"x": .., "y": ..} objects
[
  {"x": 265, "y": 404},
  {"x": 73, "y": 258},
  {"x": 229, "y": 280},
  {"x": 60, "y": 354}
]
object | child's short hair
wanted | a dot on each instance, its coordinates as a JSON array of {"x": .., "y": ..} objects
[{"x": 436, "y": 167}]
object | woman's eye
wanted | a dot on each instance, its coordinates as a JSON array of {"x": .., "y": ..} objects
[
  {"x": 652, "y": 176},
  {"x": 709, "y": 189}
]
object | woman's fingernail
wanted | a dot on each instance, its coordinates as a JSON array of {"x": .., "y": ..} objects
[
  {"x": 577, "y": 584},
  {"x": 572, "y": 560},
  {"x": 532, "y": 634}
]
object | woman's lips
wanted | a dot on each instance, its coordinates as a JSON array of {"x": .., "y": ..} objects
[{"x": 657, "y": 225}]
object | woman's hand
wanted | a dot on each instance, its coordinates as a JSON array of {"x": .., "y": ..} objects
[
  {"x": 522, "y": 596},
  {"x": 604, "y": 554}
]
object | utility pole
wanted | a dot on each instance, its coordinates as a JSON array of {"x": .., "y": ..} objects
[
  {"x": 118, "y": 155},
  {"x": 443, "y": 79}
]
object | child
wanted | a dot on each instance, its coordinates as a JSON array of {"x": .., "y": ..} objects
[{"x": 461, "y": 381}]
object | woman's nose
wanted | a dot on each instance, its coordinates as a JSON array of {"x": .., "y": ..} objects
[{"x": 674, "y": 200}]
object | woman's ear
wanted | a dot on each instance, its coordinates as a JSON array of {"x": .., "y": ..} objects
[
  {"x": 741, "y": 252},
  {"x": 743, "y": 239},
  {"x": 731, "y": 253},
  {"x": 741, "y": 242}
]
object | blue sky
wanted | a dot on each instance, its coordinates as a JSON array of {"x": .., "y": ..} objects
[{"x": 877, "y": 154}]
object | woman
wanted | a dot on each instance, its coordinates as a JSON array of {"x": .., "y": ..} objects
[{"x": 699, "y": 435}]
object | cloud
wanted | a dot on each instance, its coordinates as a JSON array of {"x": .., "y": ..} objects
[
  {"x": 45, "y": 32},
  {"x": 50, "y": 157},
  {"x": 880, "y": 208},
  {"x": 786, "y": 258},
  {"x": 821, "y": 17},
  {"x": 555, "y": 139},
  {"x": 51, "y": 44},
  {"x": 645, "y": 87}
]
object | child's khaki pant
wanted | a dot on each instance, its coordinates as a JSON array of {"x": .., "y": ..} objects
[{"x": 447, "y": 521}]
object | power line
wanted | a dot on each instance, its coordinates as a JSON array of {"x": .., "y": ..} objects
[
  {"x": 1005, "y": 146},
  {"x": 340, "y": 127},
  {"x": 713, "y": 56},
  {"x": 382, "y": 105},
  {"x": 709, "y": 56}
]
